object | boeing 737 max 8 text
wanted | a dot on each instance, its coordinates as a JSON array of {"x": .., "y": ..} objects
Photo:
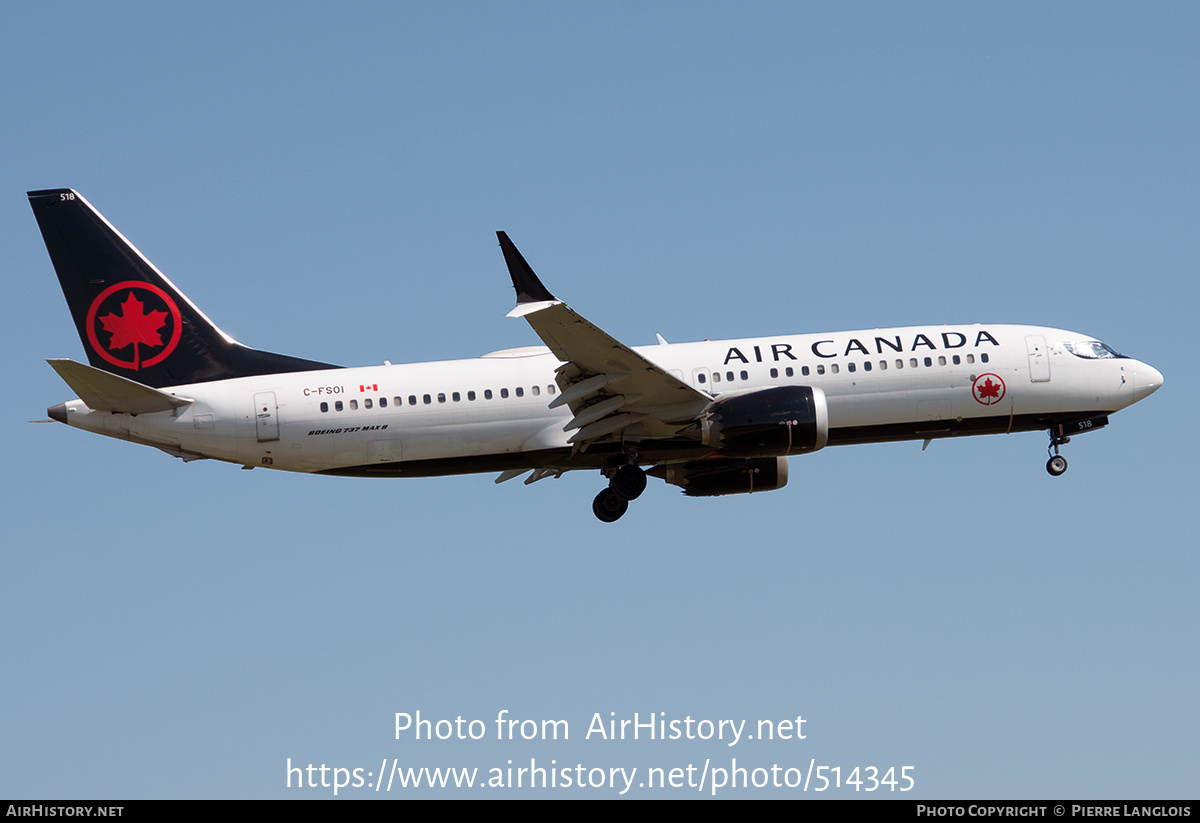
[{"x": 718, "y": 417}]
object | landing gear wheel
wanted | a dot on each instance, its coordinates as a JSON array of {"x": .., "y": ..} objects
[
  {"x": 608, "y": 506},
  {"x": 628, "y": 482},
  {"x": 1056, "y": 465}
]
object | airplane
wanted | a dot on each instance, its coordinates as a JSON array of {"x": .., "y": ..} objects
[{"x": 713, "y": 418}]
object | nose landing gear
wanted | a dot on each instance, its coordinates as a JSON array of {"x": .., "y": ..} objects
[
  {"x": 1057, "y": 464},
  {"x": 625, "y": 484}
]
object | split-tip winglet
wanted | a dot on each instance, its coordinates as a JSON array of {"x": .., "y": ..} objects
[{"x": 529, "y": 288}]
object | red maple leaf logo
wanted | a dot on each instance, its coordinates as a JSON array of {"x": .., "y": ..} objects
[
  {"x": 989, "y": 389},
  {"x": 134, "y": 326}
]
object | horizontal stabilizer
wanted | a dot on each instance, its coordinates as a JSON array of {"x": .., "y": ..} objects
[{"x": 102, "y": 391}]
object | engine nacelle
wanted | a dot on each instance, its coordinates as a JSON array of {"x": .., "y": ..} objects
[
  {"x": 768, "y": 423},
  {"x": 724, "y": 475}
]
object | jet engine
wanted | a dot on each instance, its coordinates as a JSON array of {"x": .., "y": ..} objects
[
  {"x": 724, "y": 475},
  {"x": 767, "y": 423}
]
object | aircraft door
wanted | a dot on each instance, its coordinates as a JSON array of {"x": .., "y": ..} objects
[
  {"x": 1039, "y": 358},
  {"x": 266, "y": 416}
]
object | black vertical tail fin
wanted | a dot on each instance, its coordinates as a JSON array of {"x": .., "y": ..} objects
[{"x": 132, "y": 320}]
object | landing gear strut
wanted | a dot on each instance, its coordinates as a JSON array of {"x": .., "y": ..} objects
[
  {"x": 625, "y": 484},
  {"x": 1057, "y": 464}
]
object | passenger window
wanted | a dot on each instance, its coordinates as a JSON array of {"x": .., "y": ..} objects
[
  {"x": 550, "y": 389},
  {"x": 883, "y": 365},
  {"x": 983, "y": 358},
  {"x": 456, "y": 397},
  {"x": 850, "y": 367},
  {"x": 504, "y": 392},
  {"x": 470, "y": 395},
  {"x": 941, "y": 360},
  {"x": 729, "y": 376},
  {"x": 487, "y": 394},
  {"x": 867, "y": 366},
  {"x": 383, "y": 402},
  {"x": 337, "y": 405},
  {"x": 716, "y": 377},
  {"x": 536, "y": 390},
  {"x": 833, "y": 368},
  {"x": 820, "y": 368},
  {"x": 353, "y": 405},
  {"x": 928, "y": 361},
  {"x": 912, "y": 362},
  {"x": 957, "y": 360},
  {"x": 427, "y": 399},
  {"x": 520, "y": 392},
  {"x": 970, "y": 358},
  {"x": 441, "y": 397},
  {"x": 367, "y": 403},
  {"x": 774, "y": 372},
  {"x": 899, "y": 363},
  {"x": 700, "y": 377},
  {"x": 412, "y": 400},
  {"x": 324, "y": 407}
]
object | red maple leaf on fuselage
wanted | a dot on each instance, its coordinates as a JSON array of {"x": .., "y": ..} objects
[
  {"x": 989, "y": 389},
  {"x": 134, "y": 325}
]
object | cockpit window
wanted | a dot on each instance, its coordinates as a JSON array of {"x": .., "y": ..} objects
[{"x": 1092, "y": 350}]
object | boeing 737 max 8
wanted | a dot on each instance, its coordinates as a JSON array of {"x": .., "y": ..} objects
[{"x": 718, "y": 417}]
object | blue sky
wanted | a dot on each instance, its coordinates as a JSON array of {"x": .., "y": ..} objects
[{"x": 327, "y": 182}]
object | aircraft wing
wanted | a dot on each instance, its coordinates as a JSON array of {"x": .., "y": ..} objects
[{"x": 614, "y": 392}]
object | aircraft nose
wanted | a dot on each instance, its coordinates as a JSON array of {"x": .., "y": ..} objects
[{"x": 1146, "y": 381}]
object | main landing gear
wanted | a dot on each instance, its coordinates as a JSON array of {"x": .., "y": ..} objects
[
  {"x": 1057, "y": 464},
  {"x": 624, "y": 484}
]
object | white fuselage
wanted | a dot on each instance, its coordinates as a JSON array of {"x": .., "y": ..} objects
[{"x": 492, "y": 413}]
